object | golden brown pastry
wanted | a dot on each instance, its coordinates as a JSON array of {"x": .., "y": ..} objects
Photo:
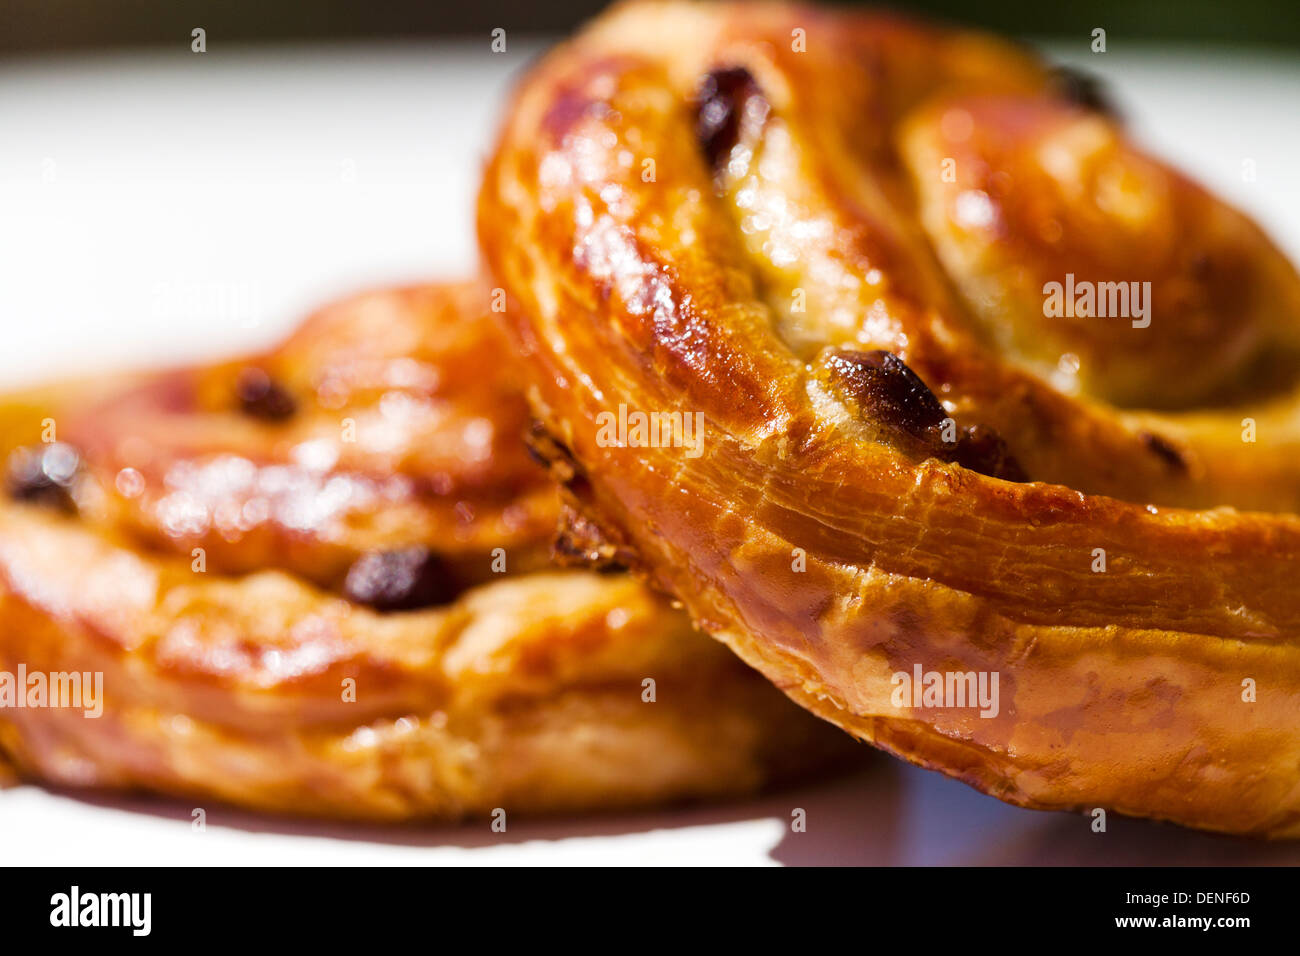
[
  {"x": 387, "y": 419},
  {"x": 824, "y": 243},
  {"x": 285, "y": 570}
]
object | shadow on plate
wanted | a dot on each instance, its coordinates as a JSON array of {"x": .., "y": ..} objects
[{"x": 881, "y": 813}]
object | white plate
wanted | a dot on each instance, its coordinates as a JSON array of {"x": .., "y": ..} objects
[{"x": 166, "y": 206}]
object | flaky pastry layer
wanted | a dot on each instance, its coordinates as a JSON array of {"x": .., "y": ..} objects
[{"x": 826, "y": 237}]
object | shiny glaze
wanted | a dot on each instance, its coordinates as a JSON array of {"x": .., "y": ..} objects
[
  {"x": 405, "y": 429},
  {"x": 257, "y": 683},
  {"x": 826, "y": 550}
]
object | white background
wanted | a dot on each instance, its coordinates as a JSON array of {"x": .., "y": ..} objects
[{"x": 155, "y": 207}]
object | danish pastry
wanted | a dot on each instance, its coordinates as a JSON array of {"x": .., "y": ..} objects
[
  {"x": 276, "y": 580},
  {"x": 838, "y": 246}
]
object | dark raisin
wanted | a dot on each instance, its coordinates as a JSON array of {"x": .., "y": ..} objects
[
  {"x": 888, "y": 390},
  {"x": 401, "y": 580},
  {"x": 892, "y": 395},
  {"x": 43, "y": 474},
  {"x": 1165, "y": 451},
  {"x": 262, "y": 397},
  {"x": 1086, "y": 90},
  {"x": 720, "y": 104},
  {"x": 982, "y": 449}
]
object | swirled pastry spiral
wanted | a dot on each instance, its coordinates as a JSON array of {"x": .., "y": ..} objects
[
  {"x": 284, "y": 570},
  {"x": 829, "y": 239}
]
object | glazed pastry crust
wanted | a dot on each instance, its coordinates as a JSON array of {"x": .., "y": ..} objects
[
  {"x": 405, "y": 424},
  {"x": 256, "y": 683},
  {"x": 824, "y": 532}
]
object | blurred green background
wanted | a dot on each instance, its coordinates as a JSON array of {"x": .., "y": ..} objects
[{"x": 36, "y": 26}]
